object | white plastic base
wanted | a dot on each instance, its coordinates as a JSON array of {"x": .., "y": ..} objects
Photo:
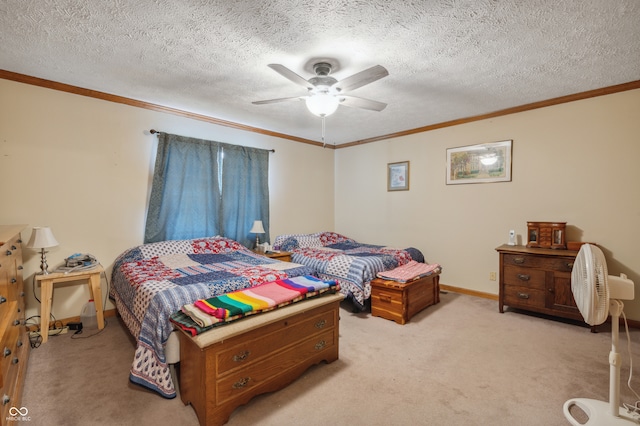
[{"x": 599, "y": 413}]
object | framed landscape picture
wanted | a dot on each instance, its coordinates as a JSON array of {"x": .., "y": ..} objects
[
  {"x": 398, "y": 176},
  {"x": 487, "y": 162}
]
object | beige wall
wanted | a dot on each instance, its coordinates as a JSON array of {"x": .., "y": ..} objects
[
  {"x": 83, "y": 167},
  {"x": 575, "y": 162}
]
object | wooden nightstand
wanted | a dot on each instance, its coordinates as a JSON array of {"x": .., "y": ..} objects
[
  {"x": 284, "y": 256},
  {"x": 46, "y": 294}
]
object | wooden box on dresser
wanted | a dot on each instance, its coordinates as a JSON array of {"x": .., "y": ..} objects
[
  {"x": 537, "y": 279},
  {"x": 14, "y": 341},
  {"x": 225, "y": 367}
]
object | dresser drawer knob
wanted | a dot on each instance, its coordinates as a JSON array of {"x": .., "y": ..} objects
[
  {"x": 13, "y": 280},
  {"x": 16, "y": 322},
  {"x": 20, "y": 268},
  {"x": 518, "y": 260},
  {"x": 241, "y": 383},
  {"x": 6, "y": 352},
  {"x": 9, "y": 253},
  {"x": 2, "y": 299},
  {"x": 320, "y": 345},
  {"x": 5, "y": 399},
  {"x": 19, "y": 344},
  {"x": 570, "y": 265},
  {"x": 241, "y": 356},
  {"x": 321, "y": 323},
  {"x": 15, "y": 361},
  {"x": 524, "y": 277},
  {"x": 523, "y": 295}
]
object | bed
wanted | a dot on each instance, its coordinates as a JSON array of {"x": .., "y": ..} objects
[
  {"x": 152, "y": 281},
  {"x": 334, "y": 256}
]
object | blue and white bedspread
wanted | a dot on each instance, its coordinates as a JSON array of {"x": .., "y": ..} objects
[
  {"x": 332, "y": 256},
  {"x": 152, "y": 281}
]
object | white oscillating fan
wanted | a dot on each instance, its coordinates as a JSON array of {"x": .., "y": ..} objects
[{"x": 597, "y": 295}]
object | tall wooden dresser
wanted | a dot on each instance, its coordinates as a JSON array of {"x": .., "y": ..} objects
[
  {"x": 537, "y": 279},
  {"x": 14, "y": 341}
]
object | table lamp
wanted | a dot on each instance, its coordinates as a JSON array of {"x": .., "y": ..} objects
[
  {"x": 42, "y": 238},
  {"x": 257, "y": 229}
]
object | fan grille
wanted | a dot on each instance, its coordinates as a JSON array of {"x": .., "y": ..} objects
[{"x": 589, "y": 284}]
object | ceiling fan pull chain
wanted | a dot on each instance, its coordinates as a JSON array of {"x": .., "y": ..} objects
[{"x": 323, "y": 141}]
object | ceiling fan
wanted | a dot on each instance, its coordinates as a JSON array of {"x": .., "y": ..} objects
[{"x": 325, "y": 93}]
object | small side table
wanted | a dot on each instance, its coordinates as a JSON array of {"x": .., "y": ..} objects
[
  {"x": 46, "y": 294},
  {"x": 284, "y": 256}
]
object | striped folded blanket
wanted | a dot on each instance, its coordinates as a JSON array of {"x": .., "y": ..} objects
[
  {"x": 410, "y": 271},
  {"x": 253, "y": 300}
]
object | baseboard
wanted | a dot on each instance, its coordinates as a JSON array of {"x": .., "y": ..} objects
[
  {"x": 35, "y": 327},
  {"x": 444, "y": 287}
]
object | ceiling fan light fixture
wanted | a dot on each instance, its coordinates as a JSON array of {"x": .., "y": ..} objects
[{"x": 322, "y": 104}]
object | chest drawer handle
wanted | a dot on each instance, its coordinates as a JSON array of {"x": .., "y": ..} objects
[
  {"x": 5, "y": 399},
  {"x": 518, "y": 260},
  {"x": 523, "y": 295},
  {"x": 570, "y": 265},
  {"x": 320, "y": 345},
  {"x": 15, "y": 361},
  {"x": 3, "y": 299},
  {"x": 6, "y": 352},
  {"x": 524, "y": 277},
  {"x": 241, "y": 383},
  {"x": 241, "y": 356},
  {"x": 13, "y": 280},
  {"x": 9, "y": 253},
  {"x": 321, "y": 323}
]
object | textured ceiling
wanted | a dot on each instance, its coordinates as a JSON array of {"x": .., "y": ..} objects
[{"x": 447, "y": 59}]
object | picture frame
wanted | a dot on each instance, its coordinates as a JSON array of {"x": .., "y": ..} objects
[
  {"x": 481, "y": 163},
  {"x": 398, "y": 176}
]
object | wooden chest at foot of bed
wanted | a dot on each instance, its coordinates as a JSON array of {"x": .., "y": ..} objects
[
  {"x": 225, "y": 367},
  {"x": 400, "y": 301}
]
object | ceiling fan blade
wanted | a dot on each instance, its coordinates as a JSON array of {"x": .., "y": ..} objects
[
  {"x": 290, "y": 75},
  {"x": 273, "y": 101},
  {"x": 360, "y": 79},
  {"x": 355, "y": 102}
]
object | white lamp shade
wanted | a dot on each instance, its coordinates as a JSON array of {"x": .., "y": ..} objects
[
  {"x": 322, "y": 104},
  {"x": 257, "y": 227},
  {"x": 42, "y": 237}
]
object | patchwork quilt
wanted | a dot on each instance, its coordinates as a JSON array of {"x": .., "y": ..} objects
[
  {"x": 204, "y": 314},
  {"x": 332, "y": 256},
  {"x": 152, "y": 281}
]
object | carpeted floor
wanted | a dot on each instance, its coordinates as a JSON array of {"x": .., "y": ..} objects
[{"x": 457, "y": 363}]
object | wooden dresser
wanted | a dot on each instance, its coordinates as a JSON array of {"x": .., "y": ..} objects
[
  {"x": 14, "y": 341},
  {"x": 225, "y": 367},
  {"x": 538, "y": 280}
]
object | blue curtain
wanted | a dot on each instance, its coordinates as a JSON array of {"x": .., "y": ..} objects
[{"x": 202, "y": 188}]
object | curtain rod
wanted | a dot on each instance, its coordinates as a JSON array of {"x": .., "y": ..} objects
[{"x": 153, "y": 132}]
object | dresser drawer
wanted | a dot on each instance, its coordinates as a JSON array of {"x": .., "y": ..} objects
[
  {"x": 244, "y": 380},
  {"x": 524, "y": 277},
  {"x": 540, "y": 262},
  {"x": 247, "y": 352},
  {"x": 524, "y": 297}
]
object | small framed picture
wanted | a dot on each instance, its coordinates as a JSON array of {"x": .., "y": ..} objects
[{"x": 398, "y": 176}]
